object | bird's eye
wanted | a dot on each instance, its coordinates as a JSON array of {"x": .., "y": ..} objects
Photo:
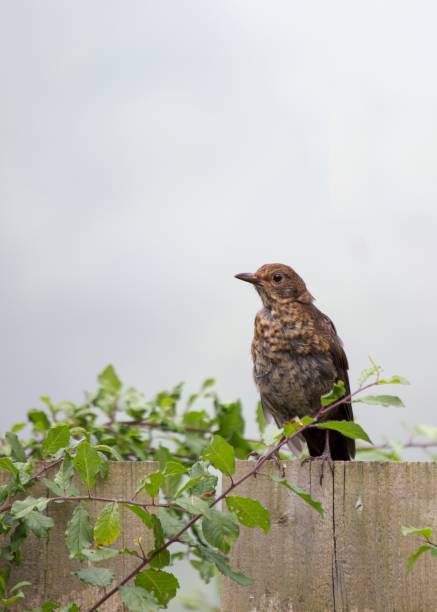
[{"x": 277, "y": 278}]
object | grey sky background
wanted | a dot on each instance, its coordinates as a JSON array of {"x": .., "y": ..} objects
[{"x": 151, "y": 150}]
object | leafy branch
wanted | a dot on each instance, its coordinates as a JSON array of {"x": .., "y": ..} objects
[{"x": 81, "y": 439}]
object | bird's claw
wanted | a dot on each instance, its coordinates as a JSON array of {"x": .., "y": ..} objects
[{"x": 261, "y": 459}]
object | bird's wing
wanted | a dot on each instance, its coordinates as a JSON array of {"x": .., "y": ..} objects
[
  {"x": 296, "y": 444},
  {"x": 327, "y": 329}
]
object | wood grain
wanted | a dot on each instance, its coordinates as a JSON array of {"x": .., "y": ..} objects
[{"x": 353, "y": 559}]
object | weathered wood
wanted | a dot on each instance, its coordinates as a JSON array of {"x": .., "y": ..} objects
[
  {"x": 353, "y": 559},
  {"x": 46, "y": 563}
]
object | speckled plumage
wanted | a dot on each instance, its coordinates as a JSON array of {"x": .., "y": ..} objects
[{"x": 297, "y": 355}]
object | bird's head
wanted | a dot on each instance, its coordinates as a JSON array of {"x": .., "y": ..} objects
[{"x": 277, "y": 283}]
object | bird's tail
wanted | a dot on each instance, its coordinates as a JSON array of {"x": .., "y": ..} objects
[{"x": 342, "y": 448}]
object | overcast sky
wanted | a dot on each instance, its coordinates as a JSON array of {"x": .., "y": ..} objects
[{"x": 151, "y": 150}]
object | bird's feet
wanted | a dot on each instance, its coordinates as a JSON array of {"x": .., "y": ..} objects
[
  {"x": 261, "y": 458},
  {"x": 325, "y": 457}
]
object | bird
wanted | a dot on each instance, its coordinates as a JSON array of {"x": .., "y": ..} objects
[{"x": 297, "y": 357}]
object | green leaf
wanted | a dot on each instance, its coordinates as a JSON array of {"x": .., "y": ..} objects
[
  {"x": 368, "y": 372},
  {"x": 137, "y": 599},
  {"x": 221, "y": 455},
  {"x": 22, "y": 508},
  {"x": 64, "y": 477},
  {"x": 260, "y": 418},
  {"x": 79, "y": 533},
  {"x": 162, "y": 584},
  {"x": 39, "y": 523},
  {"x": 380, "y": 400},
  {"x": 174, "y": 468},
  {"x": 413, "y": 558},
  {"x": 98, "y": 554},
  {"x": 302, "y": 494},
  {"x": 87, "y": 463},
  {"x": 95, "y": 576},
  {"x": 172, "y": 524},
  {"x": 337, "y": 392},
  {"x": 39, "y": 419},
  {"x": 209, "y": 382},
  {"x": 110, "y": 450},
  {"x": 142, "y": 514},
  {"x": 11, "y": 600},
  {"x": 292, "y": 426},
  {"x": 350, "y": 429},
  {"x": 426, "y": 532},
  {"x": 222, "y": 564},
  {"x": 109, "y": 380},
  {"x": 393, "y": 380},
  {"x": 107, "y": 527},
  {"x": 271, "y": 434},
  {"x": 425, "y": 430},
  {"x": 17, "y": 449},
  {"x": 193, "y": 505},
  {"x": 220, "y": 529},
  {"x": 6, "y": 465},
  {"x": 151, "y": 483},
  {"x": 163, "y": 558},
  {"x": 57, "y": 437},
  {"x": 250, "y": 512}
]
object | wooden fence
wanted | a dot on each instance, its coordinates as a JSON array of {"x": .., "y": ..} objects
[{"x": 352, "y": 560}]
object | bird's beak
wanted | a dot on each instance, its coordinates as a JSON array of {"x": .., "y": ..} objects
[{"x": 246, "y": 276}]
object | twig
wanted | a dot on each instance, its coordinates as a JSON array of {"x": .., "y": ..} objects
[{"x": 234, "y": 484}]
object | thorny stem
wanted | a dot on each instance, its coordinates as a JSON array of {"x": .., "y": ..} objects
[{"x": 233, "y": 485}]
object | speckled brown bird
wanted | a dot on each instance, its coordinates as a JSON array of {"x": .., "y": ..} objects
[{"x": 297, "y": 357}]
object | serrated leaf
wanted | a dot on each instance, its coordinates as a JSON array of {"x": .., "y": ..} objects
[
  {"x": 220, "y": 529},
  {"x": 350, "y": 429},
  {"x": 110, "y": 450},
  {"x": 98, "y": 554},
  {"x": 413, "y": 558},
  {"x": 109, "y": 380},
  {"x": 380, "y": 400},
  {"x": 221, "y": 455},
  {"x": 174, "y": 468},
  {"x": 57, "y": 437},
  {"x": 250, "y": 512},
  {"x": 172, "y": 524},
  {"x": 271, "y": 434},
  {"x": 79, "y": 533},
  {"x": 426, "y": 532},
  {"x": 39, "y": 419},
  {"x": 163, "y": 558},
  {"x": 6, "y": 465},
  {"x": 393, "y": 380},
  {"x": 193, "y": 505},
  {"x": 292, "y": 426},
  {"x": 87, "y": 463},
  {"x": 95, "y": 576},
  {"x": 39, "y": 523},
  {"x": 222, "y": 564},
  {"x": 151, "y": 483},
  {"x": 302, "y": 494},
  {"x": 17, "y": 449},
  {"x": 107, "y": 527},
  {"x": 428, "y": 431},
  {"x": 368, "y": 372},
  {"x": 64, "y": 477},
  {"x": 21, "y": 508},
  {"x": 162, "y": 584},
  {"x": 142, "y": 513},
  {"x": 337, "y": 392},
  {"x": 137, "y": 599}
]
